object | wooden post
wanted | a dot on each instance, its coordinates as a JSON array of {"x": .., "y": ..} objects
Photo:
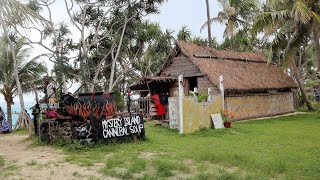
[
  {"x": 221, "y": 86},
  {"x": 181, "y": 95},
  {"x": 209, "y": 99},
  {"x": 195, "y": 94}
]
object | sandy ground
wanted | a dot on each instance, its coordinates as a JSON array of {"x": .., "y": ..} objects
[{"x": 40, "y": 162}]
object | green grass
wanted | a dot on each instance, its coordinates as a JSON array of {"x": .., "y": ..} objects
[
  {"x": 1, "y": 161},
  {"x": 20, "y": 131},
  {"x": 280, "y": 148},
  {"x": 32, "y": 163},
  {"x": 7, "y": 169}
]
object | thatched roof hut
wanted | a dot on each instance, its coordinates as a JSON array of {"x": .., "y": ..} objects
[
  {"x": 252, "y": 87},
  {"x": 243, "y": 72}
]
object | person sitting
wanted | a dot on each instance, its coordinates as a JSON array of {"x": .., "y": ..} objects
[
  {"x": 53, "y": 114},
  {"x": 4, "y": 125}
]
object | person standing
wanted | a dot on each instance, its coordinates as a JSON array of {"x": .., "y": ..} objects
[
  {"x": 50, "y": 89},
  {"x": 159, "y": 106}
]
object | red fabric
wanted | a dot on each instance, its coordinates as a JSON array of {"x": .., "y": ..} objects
[
  {"x": 159, "y": 106},
  {"x": 51, "y": 114}
]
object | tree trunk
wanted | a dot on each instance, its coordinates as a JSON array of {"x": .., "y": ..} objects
[
  {"x": 35, "y": 92},
  {"x": 114, "y": 59},
  {"x": 209, "y": 24},
  {"x": 9, "y": 113},
  {"x": 301, "y": 86},
  {"x": 316, "y": 36}
]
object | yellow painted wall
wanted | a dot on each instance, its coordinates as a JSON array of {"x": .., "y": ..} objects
[
  {"x": 197, "y": 116},
  {"x": 246, "y": 107}
]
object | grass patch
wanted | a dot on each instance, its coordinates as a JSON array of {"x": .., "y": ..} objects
[
  {"x": 7, "y": 169},
  {"x": 32, "y": 163},
  {"x": 20, "y": 131},
  {"x": 164, "y": 167},
  {"x": 227, "y": 176},
  {"x": 203, "y": 176},
  {"x": 2, "y": 161},
  {"x": 124, "y": 167},
  {"x": 85, "y": 160},
  {"x": 284, "y": 147}
]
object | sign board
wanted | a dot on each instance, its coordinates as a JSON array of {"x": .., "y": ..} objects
[
  {"x": 217, "y": 121},
  {"x": 123, "y": 126}
]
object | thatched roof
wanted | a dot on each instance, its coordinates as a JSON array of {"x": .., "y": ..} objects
[{"x": 242, "y": 71}]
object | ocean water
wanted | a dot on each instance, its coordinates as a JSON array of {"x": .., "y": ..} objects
[
  {"x": 15, "y": 116},
  {"x": 15, "y": 110}
]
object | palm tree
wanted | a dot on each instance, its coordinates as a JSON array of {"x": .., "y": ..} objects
[
  {"x": 28, "y": 71},
  {"x": 235, "y": 13},
  {"x": 184, "y": 34},
  {"x": 291, "y": 22},
  {"x": 148, "y": 47},
  {"x": 12, "y": 14},
  {"x": 156, "y": 54}
]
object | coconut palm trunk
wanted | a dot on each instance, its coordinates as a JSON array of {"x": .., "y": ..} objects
[
  {"x": 9, "y": 114},
  {"x": 316, "y": 36},
  {"x": 301, "y": 86},
  {"x": 209, "y": 24}
]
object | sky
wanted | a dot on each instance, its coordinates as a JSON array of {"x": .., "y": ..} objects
[
  {"x": 173, "y": 15},
  {"x": 191, "y": 13}
]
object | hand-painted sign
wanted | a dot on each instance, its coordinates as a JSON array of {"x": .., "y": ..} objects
[{"x": 123, "y": 126}]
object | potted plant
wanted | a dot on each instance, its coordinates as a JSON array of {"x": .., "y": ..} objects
[{"x": 227, "y": 117}]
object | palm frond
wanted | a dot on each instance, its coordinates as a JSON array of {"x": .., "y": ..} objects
[
  {"x": 16, "y": 13},
  {"x": 220, "y": 18},
  {"x": 316, "y": 17},
  {"x": 278, "y": 3},
  {"x": 269, "y": 20},
  {"x": 301, "y": 12}
]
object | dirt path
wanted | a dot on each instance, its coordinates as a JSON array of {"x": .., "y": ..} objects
[{"x": 29, "y": 162}]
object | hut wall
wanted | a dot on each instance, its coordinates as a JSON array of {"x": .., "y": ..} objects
[
  {"x": 181, "y": 65},
  {"x": 260, "y": 105},
  {"x": 204, "y": 83},
  {"x": 173, "y": 89}
]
